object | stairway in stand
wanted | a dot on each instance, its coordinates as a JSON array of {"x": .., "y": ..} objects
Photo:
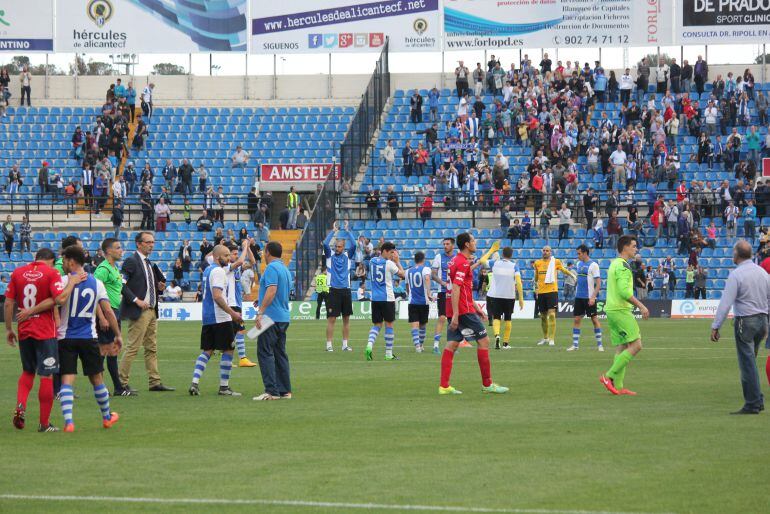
[
  {"x": 288, "y": 240},
  {"x": 81, "y": 206}
]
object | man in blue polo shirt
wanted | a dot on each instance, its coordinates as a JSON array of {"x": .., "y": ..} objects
[{"x": 273, "y": 304}]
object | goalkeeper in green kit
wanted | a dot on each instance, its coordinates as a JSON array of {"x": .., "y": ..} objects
[{"x": 624, "y": 330}]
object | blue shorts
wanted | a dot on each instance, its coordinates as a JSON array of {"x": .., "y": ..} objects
[
  {"x": 469, "y": 327},
  {"x": 39, "y": 356}
]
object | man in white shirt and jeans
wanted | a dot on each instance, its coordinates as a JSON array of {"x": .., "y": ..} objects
[
  {"x": 618, "y": 161},
  {"x": 711, "y": 114},
  {"x": 389, "y": 156}
]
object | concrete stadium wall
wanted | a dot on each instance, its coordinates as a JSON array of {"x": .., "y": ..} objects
[{"x": 183, "y": 89}]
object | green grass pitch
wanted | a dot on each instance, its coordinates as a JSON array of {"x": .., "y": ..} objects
[{"x": 365, "y": 436}]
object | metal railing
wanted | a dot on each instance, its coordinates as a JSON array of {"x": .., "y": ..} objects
[
  {"x": 367, "y": 119},
  {"x": 353, "y": 153}
]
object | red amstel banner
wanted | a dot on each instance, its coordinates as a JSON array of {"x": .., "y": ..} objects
[{"x": 296, "y": 172}]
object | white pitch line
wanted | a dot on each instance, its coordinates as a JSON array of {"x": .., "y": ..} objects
[{"x": 298, "y": 503}]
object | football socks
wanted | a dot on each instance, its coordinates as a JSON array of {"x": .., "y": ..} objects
[
  {"x": 66, "y": 403},
  {"x": 200, "y": 367},
  {"x": 482, "y": 354},
  {"x": 240, "y": 345},
  {"x": 225, "y": 367},
  {"x": 103, "y": 399},
  {"x": 389, "y": 338}
]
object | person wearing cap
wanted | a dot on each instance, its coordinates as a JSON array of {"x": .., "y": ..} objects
[
  {"x": 240, "y": 158},
  {"x": 42, "y": 178}
]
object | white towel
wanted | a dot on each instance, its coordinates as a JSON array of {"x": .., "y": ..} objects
[{"x": 550, "y": 274}]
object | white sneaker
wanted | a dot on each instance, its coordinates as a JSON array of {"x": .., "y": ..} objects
[
  {"x": 600, "y": 348},
  {"x": 418, "y": 349},
  {"x": 347, "y": 349},
  {"x": 542, "y": 342},
  {"x": 265, "y": 396},
  {"x": 573, "y": 348},
  {"x": 329, "y": 349},
  {"x": 551, "y": 343}
]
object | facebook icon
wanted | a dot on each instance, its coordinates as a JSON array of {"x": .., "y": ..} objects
[{"x": 314, "y": 40}]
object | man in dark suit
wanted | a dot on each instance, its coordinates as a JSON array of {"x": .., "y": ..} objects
[{"x": 143, "y": 282}]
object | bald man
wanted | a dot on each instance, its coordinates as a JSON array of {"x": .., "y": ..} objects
[
  {"x": 217, "y": 331},
  {"x": 548, "y": 293},
  {"x": 747, "y": 291}
]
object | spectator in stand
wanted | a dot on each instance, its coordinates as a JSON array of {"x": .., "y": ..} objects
[
  {"x": 14, "y": 180},
  {"x": 77, "y": 144},
  {"x": 119, "y": 189},
  {"x": 701, "y": 74},
  {"x": 117, "y": 217},
  {"x": 5, "y": 92},
  {"x": 565, "y": 219},
  {"x": 292, "y": 204},
  {"x": 415, "y": 107},
  {"x": 42, "y": 178},
  {"x": 129, "y": 174},
  {"x": 614, "y": 230},
  {"x": 701, "y": 278},
  {"x": 661, "y": 76},
  {"x": 131, "y": 100},
  {"x": 392, "y": 201},
  {"x": 140, "y": 135},
  {"x": 426, "y": 208},
  {"x": 162, "y": 215},
  {"x": 461, "y": 79},
  {"x": 433, "y": 97},
  {"x": 407, "y": 156},
  {"x": 388, "y": 155},
  {"x": 749, "y": 221},
  {"x": 25, "y": 235},
  {"x": 185, "y": 173},
  {"x": 25, "y": 78},
  {"x": 731, "y": 214},
  {"x": 239, "y": 159},
  {"x": 642, "y": 79},
  {"x": 173, "y": 292},
  {"x": 689, "y": 282},
  {"x": 146, "y": 202},
  {"x": 120, "y": 89},
  {"x": 619, "y": 159},
  {"x": 9, "y": 232},
  {"x": 204, "y": 223},
  {"x": 100, "y": 192},
  {"x": 169, "y": 174},
  {"x": 147, "y": 106},
  {"x": 301, "y": 219}
]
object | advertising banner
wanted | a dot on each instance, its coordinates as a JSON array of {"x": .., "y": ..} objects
[
  {"x": 681, "y": 309},
  {"x": 657, "y": 308},
  {"x": 723, "y": 21},
  {"x": 26, "y": 26},
  {"x": 492, "y": 24},
  {"x": 134, "y": 26},
  {"x": 303, "y": 176},
  {"x": 309, "y": 26},
  {"x": 184, "y": 311}
]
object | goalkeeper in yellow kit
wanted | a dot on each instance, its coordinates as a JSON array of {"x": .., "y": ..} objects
[{"x": 548, "y": 293}]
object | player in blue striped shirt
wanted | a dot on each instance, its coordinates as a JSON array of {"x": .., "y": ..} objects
[
  {"x": 381, "y": 272},
  {"x": 339, "y": 262},
  {"x": 78, "y": 338},
  {"x": 418, "y": 287}
]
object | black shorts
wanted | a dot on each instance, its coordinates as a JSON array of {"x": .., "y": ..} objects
[
  {"x": 501, "y": 308},
  {"x": 547, "y": 301},
  {"x": 383, "y": 311},
  {"x": 441, "y": 303},
  {"x": 237, "y": 327},
  {"x": 582, "y": 308},
  {"x": 218, "y": 336},
  {"x": 39, "y": 356},
  {"x": 107, "y": 336},
  {"x": 469, "y": 327},
  {"x": 339, "y": 303},
  {"x": 87, "y": 350},
  {"x": 419, "y": 314}
]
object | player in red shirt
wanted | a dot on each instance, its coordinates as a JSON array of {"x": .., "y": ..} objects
[
  {"x": 37, "y": 286},
  {"x": 466, "y": 319}
]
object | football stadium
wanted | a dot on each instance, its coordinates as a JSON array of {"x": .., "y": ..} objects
[{"x": 471, "y": 256}]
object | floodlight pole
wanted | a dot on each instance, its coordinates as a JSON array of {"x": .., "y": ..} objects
[{"x": 246, "y": 79}]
